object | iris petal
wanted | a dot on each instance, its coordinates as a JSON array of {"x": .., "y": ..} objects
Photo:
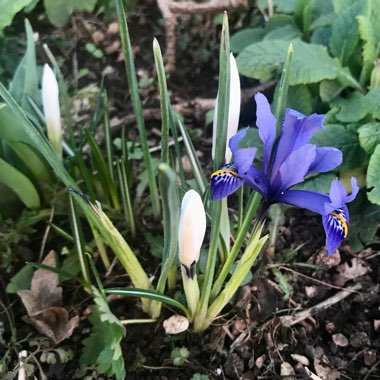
[
  {"x": 296, "y": 132},
  {"x": 335, "y": 225},
  {"x": 266, "y": 123},
  {"x": 234, "y": 140},
  {"x": 305, "y": 199},
  {"x": 257, "y": 180},
  {"x": 326, "y": 159},
  {"x": 243, "y": 159},
  {"x": 224, "y": 182},
  {"x": 294, "y": 169}
]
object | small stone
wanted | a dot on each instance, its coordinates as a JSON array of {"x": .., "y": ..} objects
[
  {"x": 260, "y": 361},
  {"x": 340, "y": 340},
  {"x": 330, "y": 327},
  {"x": 300, "y": 359},
  {"x": 97, "y": 37},
  {"x": 176, "y": 324},
  {"x": 240, "y": 325},
  {"x": 311, "y": 291},
  {"x": 287, "y": 369},
  {"x": 359, "y": 339},
  {"x": 113, "y": 28},
  {"x": 325, "y": 372},
  {"x": 370, "y": 358},
  {"x": 376, "y": 324}
]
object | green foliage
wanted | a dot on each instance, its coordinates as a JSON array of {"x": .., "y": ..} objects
[
  {"x": 102, "y": 348},
  {"x": 179, "y": 356},
  {"x": 373, "y": 176},
  {"x": 8, "y": 9},
  {"x": 60, "y": 11}
]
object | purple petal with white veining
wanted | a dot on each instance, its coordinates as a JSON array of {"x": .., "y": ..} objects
[
  {"x": 334, "y": 234},
  {"x": 224, "y": 182}
]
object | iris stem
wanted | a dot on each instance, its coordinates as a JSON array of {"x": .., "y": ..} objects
[{"x": 251, "y": 211}]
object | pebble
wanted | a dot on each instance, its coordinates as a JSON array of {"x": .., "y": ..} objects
[
  {"x": 340, "y": 340},
  {"x": 300, "y": 359},
  {"x": 359, "y": 339}
]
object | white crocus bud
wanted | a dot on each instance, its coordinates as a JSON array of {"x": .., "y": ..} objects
[
  {"x": 233, "y": 109},
  {"x": 50, "y": 103},
  {"x": 191, "y": 230}
]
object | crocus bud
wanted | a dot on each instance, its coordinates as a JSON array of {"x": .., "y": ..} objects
[
  {"x": 50, "y": 102},
  {"x": 191, "y": 231},
  {"x": 233, "y": 109}
]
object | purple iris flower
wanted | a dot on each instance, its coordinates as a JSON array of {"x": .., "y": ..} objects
[{"x": 286, "y": 163}]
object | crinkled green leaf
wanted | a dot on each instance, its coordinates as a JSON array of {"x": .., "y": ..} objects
[
  {"x": 373, "y": 98},
  {"x": 299, "y": 98},
  {"x": 329, "y": 90},
  {"x": 281, "y": 6},
  {"x": 340, "y": 5},
  {"x": 345, "y": 32},
  {"x": 373, "y": 176},
  {"x": 321, "y": 36},
  {"x": 285, "y": 32},
  {"x": 59, "y": 11},
  {"x": 245, "y": 38},
  {"x": 369, "y": 29},
  {"x": 346, "y": 139},
  {"x": 102, "y": 347},
  {"x": 320, "y": 183},
  {"x": 353, "y": 108},
  {"x": 322, "y": 21},
  {"x": 9, "y": 9},
  {"x": 310, "y": 63},
  {"x": 369, "y": 136}
]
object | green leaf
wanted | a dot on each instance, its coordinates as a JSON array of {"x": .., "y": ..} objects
[
  {"x": 322, "y": 21},
  {"x": 320, "y": 183},
  {"x": 20, "y": 184},
  {"x": 9, "y": 9},
  {"x": 369, "y": 136},
  {"x": 102, "y": 347},
  {"x": 329, "y": 90},
  {"x": 373, "y": 98},
  {"x": 353, "y": 108},
  {"x": 21, "y": 280},
  {"x": 369, "y": 29},
  {"x": 285, "y": 32},
  {"x": 346, "y": 139},
  {"x": 340, "y": 5},
  {"x": 15, "y": 135},
  {"x": 364, "y": 219},
  {"x": 59, "y": 11},
  {"x": 311, "y": 63},
  {"x": 245, "y": 38},
  {"x": 373, "y": 177},
  {"x": 25, "y": 79},
  {"x": 299, "y": 98},
  {"x": 345, "y": 32}
]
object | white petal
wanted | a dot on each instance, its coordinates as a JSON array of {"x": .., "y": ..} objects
[{"x": 192, "y": 228}]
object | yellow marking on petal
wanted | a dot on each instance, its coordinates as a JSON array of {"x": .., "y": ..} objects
[
  {"x": 340, "y": 217},
  {"x": 224, "y": 171}
]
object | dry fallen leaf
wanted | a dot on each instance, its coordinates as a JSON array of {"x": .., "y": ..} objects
[
  {"x": 357, "y": 268},
  {"x": 43, "y": 304}
]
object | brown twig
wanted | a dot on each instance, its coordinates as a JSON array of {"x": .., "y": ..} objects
[{"x": 291, "y": 320}]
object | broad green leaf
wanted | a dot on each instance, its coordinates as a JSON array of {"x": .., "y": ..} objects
[
  {"x": 322, "y": 21},
  {"x": 369, "y": 29},
  {"x": 373, "y": 98},
  {"x": 299, "y": 98},
  {"x": 245, "y": 38},
  {"x": 329, "y": 89},
  {"x": 9, "y": 9},
  {"x": 310, "y": 64},
  {"x": 353, "y": 108},
  {"x": 25, "y": 80},
  {"x": 373, "y": 177},
  {"x": 320, "y": 183},
  {"x": 21, "y": 280},
  {"x": 346, "y": 139},
  {"x": 321, "y": 36},
  {"x": 59, "y": 11},
  {"x": 369, "y": 136},
  {"x": 281, "y": 6},
  {"x": 364, "y": 219},
  {"x": 340, "y": 5},
  {"x": 20, "y": 184},
  {"x": 345, "y": 32},
  {"x": 286, "y": 32}
]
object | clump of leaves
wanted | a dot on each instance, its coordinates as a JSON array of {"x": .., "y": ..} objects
[
  {"x": 334, "y": 69},
  {"x": 102, "y": 347},
  {"x": 179, "y": 356}
]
